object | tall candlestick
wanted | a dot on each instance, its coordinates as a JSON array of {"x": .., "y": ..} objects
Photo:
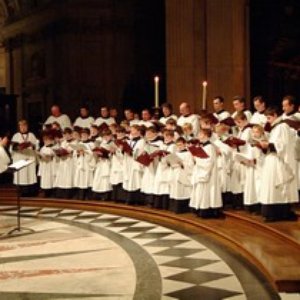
[
  {"x": 156, "y": 91},
  {"x": 204, "y": 93}
]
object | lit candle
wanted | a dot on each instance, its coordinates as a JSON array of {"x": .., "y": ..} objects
[
  {"x": 156, "y": 91},
  {"x": 204, "y": 84}
]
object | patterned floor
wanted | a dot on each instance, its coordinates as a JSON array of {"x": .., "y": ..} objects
[{"x": 167, "y": 263}]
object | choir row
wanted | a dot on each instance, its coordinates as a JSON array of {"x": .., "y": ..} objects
[{"x": 200, "y": 166}]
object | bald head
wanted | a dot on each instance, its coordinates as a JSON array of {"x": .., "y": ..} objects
[
  {"x": 55, "y": 111},
  {"x": 184, "y": 109}
]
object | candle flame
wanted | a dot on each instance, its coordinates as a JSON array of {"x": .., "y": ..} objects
[
  {"x": 156, "y": 78},
  {"x": 204, "y": 83}
]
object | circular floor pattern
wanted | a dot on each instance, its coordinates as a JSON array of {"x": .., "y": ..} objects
[{"x": 76, "y": 254}]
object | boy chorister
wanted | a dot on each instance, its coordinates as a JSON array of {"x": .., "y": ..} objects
[
  {"x": 180, "y": 185},
  {"x": 101, "y": 183},
  {"x": 206, "y": 192},
  {"x": 253, "y": 167},
  {"x": 117, "y": 161},
  {"x": 133, "y": 170},
  {"x": 64, "y": 181},
  {"x": 24, "y": 145},
  {"x": 47, "y": 165},
  {"x": 153, "y": 143},
  {"x": 279, "y": 180},
  {"x": 84, "y": 165},
  {"x": 238, "y": 170},
  {"x": 164, "y": 173}
]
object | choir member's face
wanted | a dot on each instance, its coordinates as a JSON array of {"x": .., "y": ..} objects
[
  {"x": 104, "y": 112},
  {"x": 47, "y": 141},
  {"x": 76, "y": 135},
  {"x": 166, "y": 111},
  {"x": 120, "y": 135},
  {"x": 146, "y": 115},
  {"x": 240, "y": 123},
  {"x": 271, "y": 119},
  {"x": 113, "y": 112},
  {"x": 150, "y": 135},
  {"x": 168, "y": 138},
  {"x": 67, "y": 136},
  {"x": 84, "y": 136},
  {"x": 180, "y": 146},
  {"x": 205, "y": 125},
  {"x": 218, "y": 105},
  {"x": 94, "y": 131},
  {"x": 55, "y": 111},
  {"x": 238, "y": 106},
  {"x": 4, "y": 141},
  {"x": 134, "y": 132},
  {"x": 187, "y": 130},
  {"x": 84, "y": 112},
  {"x": 184, "y": 109},
  {"x": 287, "y": 107},
  {"x": 129, "y": 115},
  {"x": 23, "y": 128},
  {"x": 202, "y": 136},
  {"x": 256, "y": 133},
  {"x": 259, "y": 106}
]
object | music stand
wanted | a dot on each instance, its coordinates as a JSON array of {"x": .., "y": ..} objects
[{"x": 16, "y": 168}]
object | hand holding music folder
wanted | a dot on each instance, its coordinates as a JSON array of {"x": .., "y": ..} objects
[
  {"x": 144, "y": 159},
  {"x": 198, "y": 151},
  {"x": 159, "y": 153},
  {"x": 125, "y": 147},
  {"x": 234, "y": 142},
  {"x": 101, "y": 152},
  {"x": 61, "y": 152}
]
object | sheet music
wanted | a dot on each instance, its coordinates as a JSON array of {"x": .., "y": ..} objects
[{"x": 20, "y": 164}]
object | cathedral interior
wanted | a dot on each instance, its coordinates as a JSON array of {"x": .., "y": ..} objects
[{"x": 107, "y": 53}]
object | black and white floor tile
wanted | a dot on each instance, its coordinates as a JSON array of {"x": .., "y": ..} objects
[{"x": 163, "y": 263}]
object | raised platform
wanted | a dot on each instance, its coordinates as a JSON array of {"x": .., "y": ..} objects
[{"x": 274, "y": 248}]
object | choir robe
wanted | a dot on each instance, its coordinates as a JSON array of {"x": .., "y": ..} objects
[
  {"x": 206, "y": 191},
  {"x": 252, "y": 185},
  {"x": 192, "y": 119},
  {"x": 238, "y": 170},
  {"x": 180, "y": 184},
  {"x": 116, "y": 175},
  {"x": 247, "y": 113},
  {"x": 222, "y": 115},
  {"x": 84, "y": 168},
  {"x": 108, "y": 121},
  {"x": 258, "y": 118},
  {"x": 47, "y": 167},
  {"x": 84, "y": 122},
  {"x": 4, "y": 159},
  {"x": 65, "y": 167},
  {"x": 164, "y": 120},
  {"x": 133, "y": 171},
  {"x": 63, "y": 121},
  {"x": 279, "y": 179},
  {"x": 147, "y": 185},
  {"x": 163, "y": 179},
  {"x": 27, "y": 175},
  {"x": 101, "y": 182},
  {"x": 224, "y": 165}
]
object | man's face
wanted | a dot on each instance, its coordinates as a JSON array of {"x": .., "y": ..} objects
[
  {"x": 84, "y": 112},
  {"x": 129, "y": 115},
  {"x": 55, "y": 111},
  {"x": 184, "y": 109},
  {"x": 146, "y": 115},
  {"x": 104, "y": 112},
  {"x": 23, "y": 128},
  {"x": 287, "y": 107},
  {"x": 238, "y": 106},
  {"x": 218, "y": 105},
  {"x": 166, "y": 111},
  {"x": 259, "y": 106}
]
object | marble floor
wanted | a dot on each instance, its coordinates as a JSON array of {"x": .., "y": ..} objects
[{"x": 74, "y": 254}]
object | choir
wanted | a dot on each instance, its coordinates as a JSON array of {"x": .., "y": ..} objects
[{"x": 190, "y": 162}]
